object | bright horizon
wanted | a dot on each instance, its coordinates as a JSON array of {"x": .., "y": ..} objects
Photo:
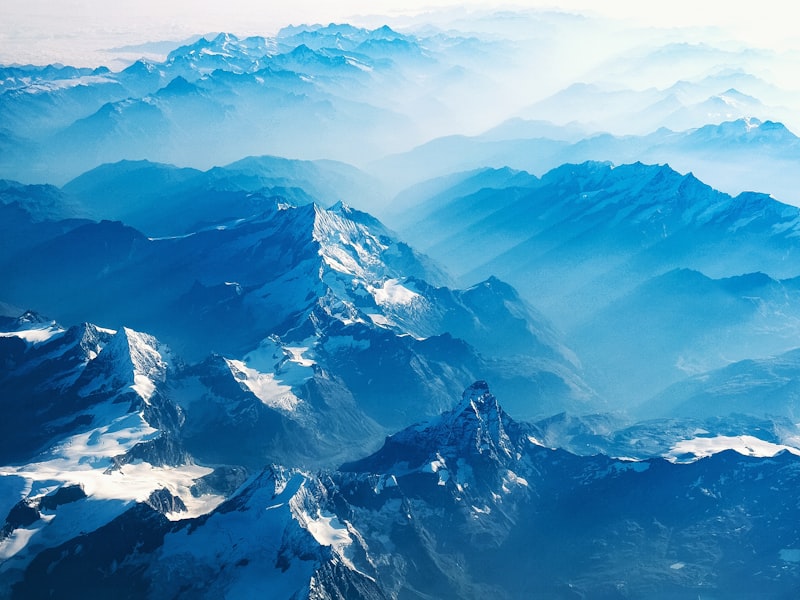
[{"x": 80, "y": 32}]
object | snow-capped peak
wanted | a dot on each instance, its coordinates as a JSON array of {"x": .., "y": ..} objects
[
  {"x": 346, "y": 246},
  {"x": 130, "y": 359},
  {"x": 364, "y": 283},
  {"x": 476, "y": 431},
  {"x": 33, "y": 328}
]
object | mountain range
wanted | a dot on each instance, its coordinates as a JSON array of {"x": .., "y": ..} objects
[
  {"x": 449, "y": 508},
  {"x": 351, "y": 335},
  {"x": 333, "y": 281},
  {"x": 609, "y": 252},
  {"x": 731, "y": 154},
  {"x": 211, "y": 102},
  {"x": 262, "y": 298}
]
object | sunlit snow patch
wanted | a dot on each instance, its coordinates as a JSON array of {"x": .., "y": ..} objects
[
  {"x": 511, "y": 478},
  {"x": 265, "y": 386},
  {"x": 393, "y": 292},
  {"x": 109, "y": 494},
  {"x": 272, "y": 370},
  {"x": 296, "y": 355},
  {"x": 87, "y": 460},
  {"x": 38, "y": 335},
  {"x": 328, "y": 531},
  {"x": 701, "y": 447},
  {"x": 534, "y": 441},
  {"x": 438, "y": 466},
  {"x": 381, "y": 320}
]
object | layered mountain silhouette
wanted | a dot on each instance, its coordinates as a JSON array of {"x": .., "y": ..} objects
[
  {"x": 472, "y": 492},
  {"x": 638, "y": 264},
  {"x": 419, "y": 310}
]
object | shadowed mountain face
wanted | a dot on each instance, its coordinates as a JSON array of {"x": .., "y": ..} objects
[
  {"x": 453, "y": 508},
  {"x": 596, "y": 218},
  {"x": 333, "y": 284},
  {"x": 639, "y": 265},
  {"x": 693, "y": 324},
  {"x": 247, "y": 385},
  {"x": 163, "y": 200},
  {"x": 733, "y": 156},
  {"x": 767, "y": 386}
]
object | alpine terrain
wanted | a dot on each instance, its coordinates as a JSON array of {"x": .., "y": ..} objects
[{"x": 459, "y": 303}]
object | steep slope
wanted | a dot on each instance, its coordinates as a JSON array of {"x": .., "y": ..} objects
[
  {"x": 277, "y": 536},
  {"x": 335, "y": 283},
  {"x": 693, "y": 324},
  {"x": 88, "y": 430},
  {"x": 29, "y": 215},
  {"x": 280, "y": 408},
  {"x": 57, "y": 378},
  {"x": 465, "y": 505},
  {"x": 37, "y": 100},
  {"x": 589, "y": 232},
  {"x": 42, "y": 202},
  {"x": 98, "y": 421},
  {"x": 163, "y": 200},
  {"x": 641, "y": 267},
  {"x": 476, "y": 430},
  {"x": 478, "y": 496}
]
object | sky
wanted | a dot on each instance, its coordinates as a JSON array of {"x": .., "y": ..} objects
[{"x": 72, "y": 31}]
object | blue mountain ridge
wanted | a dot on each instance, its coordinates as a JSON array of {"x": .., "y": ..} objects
[
  {"x": 258, "y": 296},
  {"x": 475, "y": 495}
]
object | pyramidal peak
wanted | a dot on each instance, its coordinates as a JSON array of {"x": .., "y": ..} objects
[
  {"x": 476, "y": 432},
  {"x": 477, "y": 423},
  {"x": 131, "y": 359},
  {"x": 148, "y": 363},
  {"x": 31, "y": 319},
  {"x": 364, "y": 252},
  {"x": 339, "y": 225}
]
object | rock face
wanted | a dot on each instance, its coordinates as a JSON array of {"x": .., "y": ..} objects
[
  {"x": 464, "y": 505},
  {"x": 252, "y": 388},
  {"x": 164, "y": 502},
  {"x": 477, "y": 429},
  {"x": 62, "y": 382},
  {"x": 491, "y": 509},
  {"x": 292, "y": 287}
]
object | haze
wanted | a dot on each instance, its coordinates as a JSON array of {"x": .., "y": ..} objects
[
  {"x": 81, "y": 32},
  {"x": 639, "y": 66}
]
